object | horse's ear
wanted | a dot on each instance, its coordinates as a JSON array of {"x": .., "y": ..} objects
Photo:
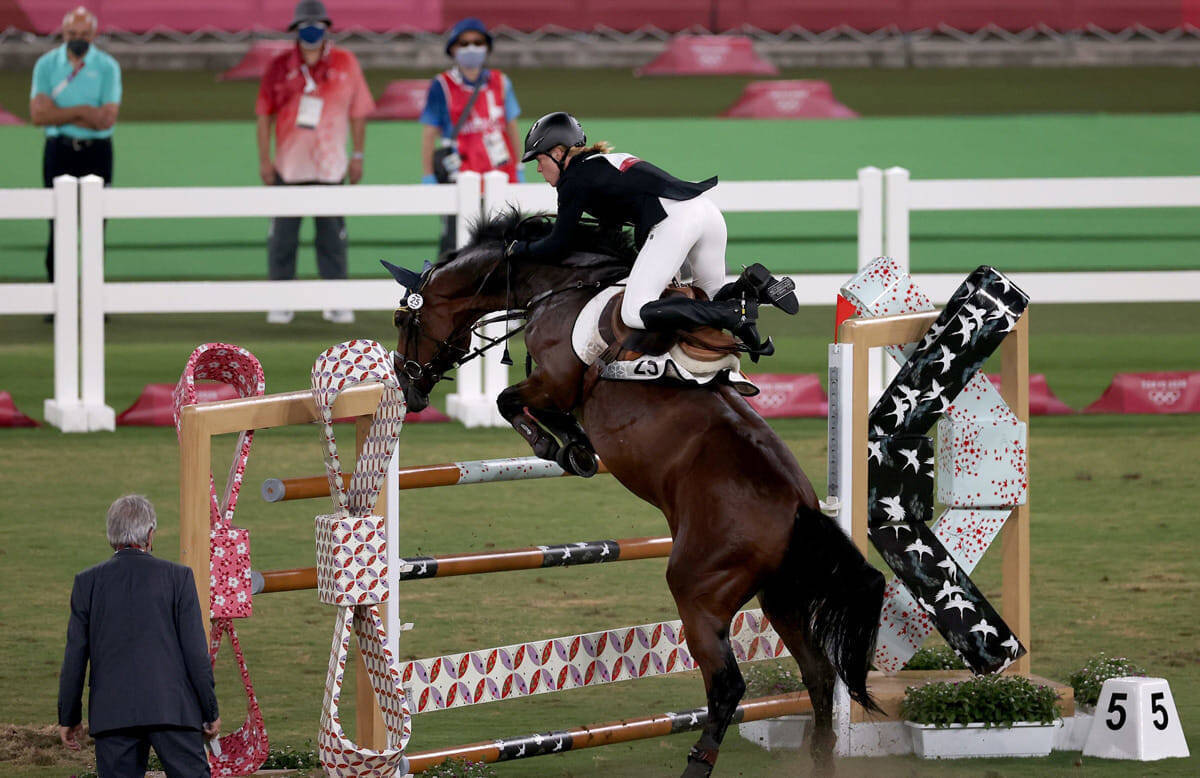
[
  {"x": 405, "y": 277},
  {"x": 426, "y": 267}
]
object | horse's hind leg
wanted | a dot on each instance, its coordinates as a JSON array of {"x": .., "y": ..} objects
[
  {"x": 815, "y": 668},
  {"x": 706, "y": 604}
]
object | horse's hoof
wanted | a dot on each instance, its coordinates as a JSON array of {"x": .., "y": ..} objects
[
  {"x": 696, "y": 769},
  {"x": 578, "y": 459}
]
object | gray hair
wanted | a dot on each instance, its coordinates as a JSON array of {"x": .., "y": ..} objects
[{"x": 130, "y": 520}]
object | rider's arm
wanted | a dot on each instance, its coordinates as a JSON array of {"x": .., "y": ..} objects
[{"x": 554, "y": 246}]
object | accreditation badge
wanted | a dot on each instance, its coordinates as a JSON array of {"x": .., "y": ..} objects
[
  {"x": 497, "y": 148},
  {"x": 309, "y": 114}
]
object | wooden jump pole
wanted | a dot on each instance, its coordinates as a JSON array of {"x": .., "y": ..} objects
[
  {"x": 607, "y": 733},
  {"x": 865, "y": 334},
  {"x": 471, "y": 563},
  {"x": 413, "y": 477}
]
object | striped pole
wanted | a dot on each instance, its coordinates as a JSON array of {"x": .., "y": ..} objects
[
  {"x": 623, "y": 731},
  {"x": 469, "y": 563},
  {"x": 424, "y": 476}
]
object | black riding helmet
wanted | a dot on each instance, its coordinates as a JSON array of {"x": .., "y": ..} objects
[{"x": 553, "y": 129}]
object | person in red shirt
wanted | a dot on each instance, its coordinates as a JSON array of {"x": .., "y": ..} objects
[
  {"x": 314, "y": 94},
  {"x": 486, "y": 138}
]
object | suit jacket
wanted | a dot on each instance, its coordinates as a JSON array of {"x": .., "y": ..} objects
[
  {"x": 136, "y": 619},
  {"x": 616, "y": 189}
]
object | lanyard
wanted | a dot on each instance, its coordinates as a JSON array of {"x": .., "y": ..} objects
[
  {"x": 58, "y": 90},
  {"x": 309, "y": 84}
]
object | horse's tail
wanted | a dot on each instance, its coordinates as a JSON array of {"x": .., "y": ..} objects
[{"x": 840, "y": 597}]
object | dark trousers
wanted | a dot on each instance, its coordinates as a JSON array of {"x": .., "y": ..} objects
[
  {"x": 448, "y": 240},
  {"x": 123, "y": 753},
  {"x": 284, "y": 238},
  {"x": 64, "y": 156}
]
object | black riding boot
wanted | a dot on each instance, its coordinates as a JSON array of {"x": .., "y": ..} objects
[
  {"x": 756, "y": 282},
  {"x": 682, "y": 313}
]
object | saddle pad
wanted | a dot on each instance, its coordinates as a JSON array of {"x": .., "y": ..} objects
[{"x": 675, "y": 365}]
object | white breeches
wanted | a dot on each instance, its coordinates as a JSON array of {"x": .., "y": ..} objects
[{"x": 690, "y": 242}]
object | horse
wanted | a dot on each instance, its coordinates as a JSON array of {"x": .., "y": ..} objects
[{"x": 743, "y": 516}]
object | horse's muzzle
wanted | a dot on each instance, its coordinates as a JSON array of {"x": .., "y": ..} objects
[{"x": 414, "y": 398}]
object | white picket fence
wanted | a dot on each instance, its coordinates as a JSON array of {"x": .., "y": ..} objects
[{"x": 883, "y": 203}]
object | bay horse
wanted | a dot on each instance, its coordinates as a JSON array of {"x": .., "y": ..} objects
[{"x": 743, "y": 516}]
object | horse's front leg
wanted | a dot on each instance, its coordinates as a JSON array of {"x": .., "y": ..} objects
[{"x": 535, "y": 409}]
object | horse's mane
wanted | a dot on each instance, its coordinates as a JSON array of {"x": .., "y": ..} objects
[{"x": 604, "y": 245}]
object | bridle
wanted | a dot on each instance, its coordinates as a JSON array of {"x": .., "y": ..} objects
[{"x": 448, "y": 356}]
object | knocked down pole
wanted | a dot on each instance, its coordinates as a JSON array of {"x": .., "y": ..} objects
[
  {"x": 446, "y": 565},
  {"x": 506, "y": 749},
  {"x": 424, "y": 476}
]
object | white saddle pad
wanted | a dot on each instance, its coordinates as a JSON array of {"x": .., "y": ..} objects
[{"x": 674, "y": 366}]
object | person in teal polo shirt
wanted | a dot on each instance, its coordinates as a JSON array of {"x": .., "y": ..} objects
[{"x": 76, "y": 96}]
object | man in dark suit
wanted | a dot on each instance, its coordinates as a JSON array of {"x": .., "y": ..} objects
[{"x": 137, "y": 620}]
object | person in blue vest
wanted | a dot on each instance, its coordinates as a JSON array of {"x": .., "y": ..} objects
[
  {"x": 487, "y": 138},
  {"x": 76, "y": 96}
]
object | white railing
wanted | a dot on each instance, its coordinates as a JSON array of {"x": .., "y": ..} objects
[
  {"x": 883, "y": 202},
  {"x": 60, "y": 204},
  {"x": 903, "y": 196}
]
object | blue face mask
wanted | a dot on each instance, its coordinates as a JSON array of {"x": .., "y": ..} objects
[
  {"x": 311, "y": 34},
  {"x": 470, "y": 57}
]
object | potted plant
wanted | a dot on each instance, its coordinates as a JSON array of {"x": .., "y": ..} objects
[
  {"x": 935, "y": 658},
  {"x": 762, "y": 680},
  {"x": 991, "y": 715},
  {"x": 1087, "y": 682}
]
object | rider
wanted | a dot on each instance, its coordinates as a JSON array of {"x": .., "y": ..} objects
[{"x": 675, "y": 225}]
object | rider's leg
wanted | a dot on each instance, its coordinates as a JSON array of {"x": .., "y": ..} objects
[{"x": 658, "y": 261}]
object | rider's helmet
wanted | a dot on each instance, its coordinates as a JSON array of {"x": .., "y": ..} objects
[{"x": 553, "y": 129}]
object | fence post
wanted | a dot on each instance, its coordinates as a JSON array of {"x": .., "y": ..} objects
[
  {"x": 495, "y": 373},
  {"x": 64, "y": 410},
  {"x": 896, "y": 195},
  {"x": 870, "y": 215},
  {"x": 467, "y": 402},
  {"x": 91, "y": 307},
  {"x": 870, "y": 246}
]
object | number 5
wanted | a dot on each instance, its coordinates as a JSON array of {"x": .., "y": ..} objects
[
  {"x": 1113, "y": 707},
  {"x": 1157, "y": 707}
]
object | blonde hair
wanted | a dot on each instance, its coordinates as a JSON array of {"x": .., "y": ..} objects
[{"x": 600, "y": 147}]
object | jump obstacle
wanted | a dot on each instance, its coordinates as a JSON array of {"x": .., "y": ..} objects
[{"x": 472, "y": 677}]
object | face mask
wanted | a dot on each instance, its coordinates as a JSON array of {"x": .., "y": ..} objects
[
  {"x": 77, "y": 46},
  {"x": 311, "y": 35},
  {"x": 470, "y": 57}
]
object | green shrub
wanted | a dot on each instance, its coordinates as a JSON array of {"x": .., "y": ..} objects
[
  {"x": 1088, "y": 680},
  {"x": 996, "y": 700},
  {"x": 764, "y": 679},
  {"x": 935, "y": 658},
  {"x": 460, "y": 768}
]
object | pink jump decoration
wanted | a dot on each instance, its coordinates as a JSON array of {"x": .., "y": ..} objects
[
  {"x": 243, "y": 751},
  {"x": 352, "y": 560}
]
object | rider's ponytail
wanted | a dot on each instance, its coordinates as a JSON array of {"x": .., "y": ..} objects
[{"x": 599, "y": 147}]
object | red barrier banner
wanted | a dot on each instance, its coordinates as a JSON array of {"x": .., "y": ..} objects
[
  {"x": 1150, "y": 393},
  {"x": 789, "y": 396},
  {"x": 10, "y": 416}
]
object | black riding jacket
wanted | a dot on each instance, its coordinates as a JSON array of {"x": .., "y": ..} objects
[{"x": 616, "y": 189}]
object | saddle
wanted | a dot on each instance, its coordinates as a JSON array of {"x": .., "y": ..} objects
[
  {"x": 703, "y": 344},
  {"x": 700, "y": 356}
]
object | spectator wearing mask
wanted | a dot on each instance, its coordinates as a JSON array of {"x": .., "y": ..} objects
[
  {"x": 315, "y": 95},
  {"x": 76, "y": 96},
  {"x": 135, "y": 619},
  {"x": 470, "y": 117}
]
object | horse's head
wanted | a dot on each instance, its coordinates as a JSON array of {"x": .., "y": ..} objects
[{"x": 437, "y": 314}]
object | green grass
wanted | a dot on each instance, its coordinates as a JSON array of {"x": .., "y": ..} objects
[
  {"x": 1112, "y": 569},
  {"x": 616, "y": 92},
  {"x": 222, "y": 154}
]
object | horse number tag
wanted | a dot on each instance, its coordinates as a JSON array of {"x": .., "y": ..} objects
[
  {"x": 414, "y": 302},
  {"x": 309, "y": 113}
]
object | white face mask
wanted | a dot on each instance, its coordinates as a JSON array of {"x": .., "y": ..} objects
[{"x": 470, "y": 57}]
